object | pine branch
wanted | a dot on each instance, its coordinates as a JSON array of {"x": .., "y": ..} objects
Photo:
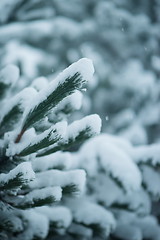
[
  {"x": 78, "y": 131},
  {"x": 13, "y": 110},
  {"x": 36, "y": 198},
  {"x": 45, "y": 139},
  {"x": 71, "y": 79},
  {"x": 16, "y": 178}
]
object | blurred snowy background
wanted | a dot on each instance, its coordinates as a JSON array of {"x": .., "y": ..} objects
[{"x": 122, "y": 37}]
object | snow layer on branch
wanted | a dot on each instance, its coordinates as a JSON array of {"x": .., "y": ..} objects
[
  {"x": 120, "y": 142},
  {"x": 21, "y": 100},
  {"x": 60, "y": 178},
  {"x": 75, "y": 101},
  {"x": 61, "y": 216},
  {"x": 84, "y": 67},
  {"x": 147, "y": 154},
  {"x": 40, "y": 83},
  {"x": 38, "y": 225},
  {"x": 100, "y": 153},
  {"x": 90, "y": 214},
  {"x": 105, "y": 190},
  {"x": 25, "y": 171},
  {"x": 40, "y": 194},
  {"x": 151, "y": 179},
  {"x": 9, "y": 75},
  {"x": 136, "y": 200},
  {"x": 149, "y": 227},
  {"x": 56, "y": 160},
  {"x": 29, "y": 139},
  {"x": 93, "y": 122}
]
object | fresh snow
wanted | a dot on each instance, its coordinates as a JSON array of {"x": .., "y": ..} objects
[
  {"x": 39, "y": 194},
  {"x": 59, "y": 215},
  {"x": 24, "y": 168},
  {"x": 30, "y": 138},
  {"x": 98, "y": 152},
  {"x": 91, "y": 121},
  {"x": 84, "y": 67},
  {"x": 60, "y": 178},
  {"x": 89, "y": 213},
  {"x": 10, "y": 74},
  {"x": 55, "y": 160}
]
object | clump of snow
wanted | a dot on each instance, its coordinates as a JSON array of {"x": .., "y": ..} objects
[
  {"x": 39, "y": 83},
  {"x": 151, "y": 179},
  {"x": 89, "y": 213},
  {"x": 22, "y": 99},
  {"x": 100, "y": 153},
  {"x": 55, "y": 160},
  {"x": 149, "y": 227},
  {"x": 84, "y": 67},
  {"x": 135, "y": 133},
  {"x": 38, "y": 225},
  {"x": 105, "y": 190},
  {"x": 25, "y": 169},
  {"x": 147, "y": 154},
  {"x": 30, "y": 138},
  {"x": 38, "y": 194},
  {"x": 59, "y": 215},
  {"x": 9, "y": 75},
  {"x": 93, "y": 122},
  {"x": 75, "y": 100},
  {"x": 60, "y": 178}
]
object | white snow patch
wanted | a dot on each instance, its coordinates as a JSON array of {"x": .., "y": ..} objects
[
  {"x": 24, "y": 168},
  {"x": 92, "y": 121},
  {"x": 58, "y": 159},
  {"x": 59, "y": 215},
  {"x": 99, "y": 152},
  {"x": 60, "y": 178}
]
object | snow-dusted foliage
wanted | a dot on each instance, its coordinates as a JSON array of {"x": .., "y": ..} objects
[
  {"x": 124, "y": 180},
  {"x": 43, "y": 168},
  {"x": 34, "y": 171}
]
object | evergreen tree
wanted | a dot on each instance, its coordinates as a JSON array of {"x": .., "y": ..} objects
[
  {"x": 36, "y": 172},
  {"x": 121, "y": 200}
]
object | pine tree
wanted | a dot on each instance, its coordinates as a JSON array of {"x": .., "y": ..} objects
[
  {"x": 123, "y": 180},
  {"x": 36, "y": 171}
]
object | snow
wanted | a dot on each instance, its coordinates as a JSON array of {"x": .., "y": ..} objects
[
  {"x": 10, "y": 74},
  {"x": 89, "y": 213},
  {"x": 149, "y": 227},
  {"x": 60, "y": 178},
  {"x": 98, "y": 152},
  {"x": 92, "y": 121},
  {"x": 55, "y": 160},
  {"x": 38, "y": 194},
  {"x": 38, "y": 225},
  {"x": 75, "y": 100},
  {"x": 30, "y": 138},
  {"x": 21, "y": 99},
  {"x": 24, "y": 168},
  {"x": 84, "y": 67},
  {"x": 151, "y": 179},
  {"x": 147, "y": 154},
  {"x": 105, "y": 190},
  {"x": 39, "y": 83},
  {"x": 59, "y": 215}
]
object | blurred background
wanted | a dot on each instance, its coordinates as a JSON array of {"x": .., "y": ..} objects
[{"x": 121, "y": 37}]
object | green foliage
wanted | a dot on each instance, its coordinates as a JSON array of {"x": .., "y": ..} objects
[
  {"x": 10, "y": 119},
  {"x": 21, "y": 189},
  {"x": 63, "y": 90}
]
